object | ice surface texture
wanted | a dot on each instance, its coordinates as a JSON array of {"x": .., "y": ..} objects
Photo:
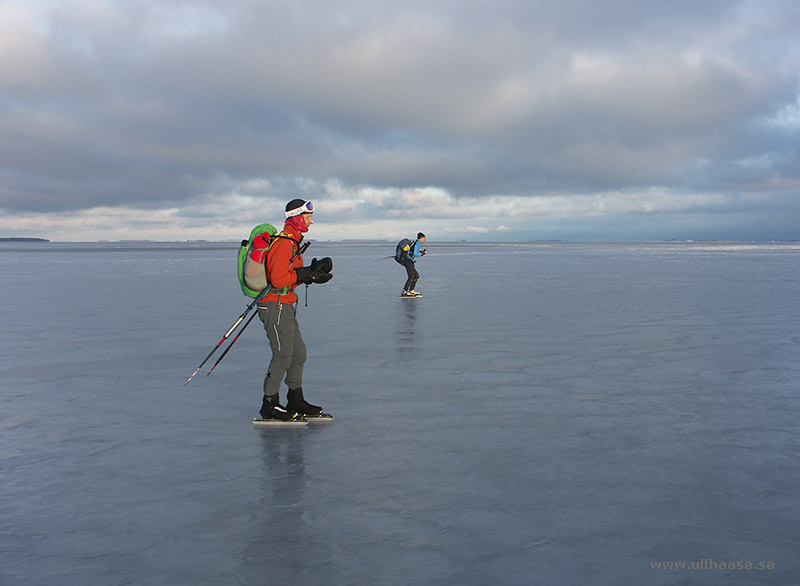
[{"x": 549, "y": 413}]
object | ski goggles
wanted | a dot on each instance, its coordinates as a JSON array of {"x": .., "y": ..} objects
[{"x": 306, "y": 208}]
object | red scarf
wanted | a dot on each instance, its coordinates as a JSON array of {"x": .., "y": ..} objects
[{"x": 297, "y": 224}]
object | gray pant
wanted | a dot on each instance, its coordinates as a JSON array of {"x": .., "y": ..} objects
[{"x": 288, "y": 348}]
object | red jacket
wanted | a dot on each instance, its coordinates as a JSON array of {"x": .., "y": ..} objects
[{"x": 281, "y": 267}]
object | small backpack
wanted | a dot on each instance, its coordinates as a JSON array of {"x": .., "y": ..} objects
[
  {"x": 401, "y": 252},
  {"x": 252, "y": 259}
]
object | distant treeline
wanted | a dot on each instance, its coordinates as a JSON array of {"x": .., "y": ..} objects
[{"x": 24, "y": 240}]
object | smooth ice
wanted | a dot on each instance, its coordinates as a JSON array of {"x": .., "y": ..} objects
[{"x": 548, "y": 413}]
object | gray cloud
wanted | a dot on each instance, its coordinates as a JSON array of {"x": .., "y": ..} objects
[{"x": 141, "y": 105}]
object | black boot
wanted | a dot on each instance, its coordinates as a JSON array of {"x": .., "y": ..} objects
[
  {"x": 296, "y": 402},
  {"x": 271, "y": 409}
]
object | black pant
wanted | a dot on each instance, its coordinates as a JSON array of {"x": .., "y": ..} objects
[{"x": 413, "y": 275}]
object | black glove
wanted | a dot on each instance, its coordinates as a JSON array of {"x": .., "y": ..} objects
[{"x": 319, "y": 271}]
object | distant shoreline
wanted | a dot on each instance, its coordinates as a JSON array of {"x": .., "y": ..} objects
[{"x": 17, "y": 239}]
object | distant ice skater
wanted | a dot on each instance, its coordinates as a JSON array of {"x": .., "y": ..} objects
[{"x": 406, "y": 253}]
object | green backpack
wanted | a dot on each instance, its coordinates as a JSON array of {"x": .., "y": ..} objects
[{"x": 253, "y": 257}]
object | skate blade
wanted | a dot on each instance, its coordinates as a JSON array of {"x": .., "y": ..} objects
[
  {"x": 278, "y": 423},
  {"x": 322, "y": 418}
]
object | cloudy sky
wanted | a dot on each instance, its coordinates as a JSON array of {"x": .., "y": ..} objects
[{"x": 466, "y": 119}]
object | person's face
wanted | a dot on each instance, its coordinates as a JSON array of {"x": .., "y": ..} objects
[
  {"x": 308, "y": 219},
  {"x": 423, "y": 239}
]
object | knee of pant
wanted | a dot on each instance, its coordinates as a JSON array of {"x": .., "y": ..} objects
[{"x": 299, "y": 354}]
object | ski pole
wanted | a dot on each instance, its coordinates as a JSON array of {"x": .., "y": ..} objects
[
  {"x": 239, "y": 321},
  {"x": 221, "y": 356},
  {"x": 228, "y": 333}
]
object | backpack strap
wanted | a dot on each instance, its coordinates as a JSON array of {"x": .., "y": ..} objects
[
  {"x": 295, "y": 248},
  {"x": 411, "y": 249},
  {"x": 283, "y": 234}
]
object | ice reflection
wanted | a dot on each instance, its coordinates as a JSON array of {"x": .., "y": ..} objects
[
  {"x": 272, "y": 552},
  {"x": 407, "y": 326}
]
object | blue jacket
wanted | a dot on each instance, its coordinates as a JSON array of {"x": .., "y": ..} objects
[{"x": 415, "y": 250}]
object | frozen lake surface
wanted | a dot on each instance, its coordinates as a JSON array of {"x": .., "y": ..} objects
[{"x": 548, "y": 413}]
